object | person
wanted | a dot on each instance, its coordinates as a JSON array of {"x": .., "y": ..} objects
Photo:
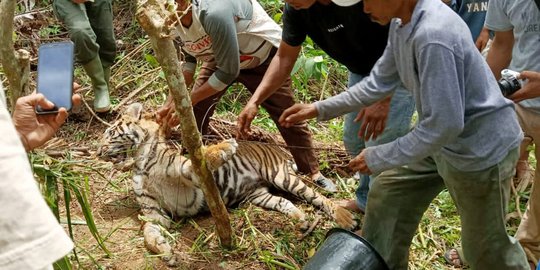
[
  {"x": 530, "y": 90},
  {"x": 335, "y": 30},
  {"x": 31, "y": 236},
  {"x": 235, "y": 40},
  {"x": 90, "y": 27},
  {"x": 466, "y": 139},
  {"x": 515, "y": 46},
  {"x": 473, "y": 12}
]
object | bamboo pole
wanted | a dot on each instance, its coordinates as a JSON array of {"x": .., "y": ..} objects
[{"x": 152, "y": 17}]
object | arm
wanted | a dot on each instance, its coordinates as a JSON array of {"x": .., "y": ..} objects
[
  {"x": 442, "y": 112},
  {"x": 218, "y": 22},
  {"x": 482, "y": 39},
  {"x": 188, "y": 68},
  {"x": 500, "y": 53},
  {"x": 279, "y": 70},
  {"x": 381, "y": 83},
  {"x": 165, "y": 114},
  {"x": 373, "y": 119}
]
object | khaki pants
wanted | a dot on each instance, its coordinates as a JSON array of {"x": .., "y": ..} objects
[
  {"x": 90, "y": 27},
  {"x": 399, "y": 198},
  {"x": 298, "y": 137},
  {"x": 528, "y": 232}
]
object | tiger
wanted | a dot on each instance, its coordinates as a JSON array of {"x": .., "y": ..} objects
[{"x": 166, "y": 187}]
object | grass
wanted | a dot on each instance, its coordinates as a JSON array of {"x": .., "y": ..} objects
[{"x": 58, "y": 178}]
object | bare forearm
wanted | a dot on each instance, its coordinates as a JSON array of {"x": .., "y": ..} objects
[
  {"x": 188, "y": 77},
  {"x": 500, "y": 53},
  {"x": 278, "y": 71},
  {"x": 202, "y": 92}
]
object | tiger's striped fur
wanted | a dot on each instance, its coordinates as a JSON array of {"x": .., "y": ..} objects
[{"x": 165, "y": 185}]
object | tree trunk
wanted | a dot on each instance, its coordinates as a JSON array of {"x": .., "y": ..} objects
[
  {"x": 152, "y": 16},
  {"x": 16, "y": 64}
]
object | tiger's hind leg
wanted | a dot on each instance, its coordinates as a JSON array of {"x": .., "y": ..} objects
[
  {"x": 261, "y": 197},
  {"x": 217, "y": 154},
  {"x": 153, "y": 217},
  {"x": 289, "y": 182}
]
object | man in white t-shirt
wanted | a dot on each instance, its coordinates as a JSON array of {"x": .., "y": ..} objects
[
  {"x": 517, "y": 46},
  {"x": 30, "y": 237}
]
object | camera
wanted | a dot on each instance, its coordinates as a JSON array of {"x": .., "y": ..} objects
[{"x": 509, "y": 82}]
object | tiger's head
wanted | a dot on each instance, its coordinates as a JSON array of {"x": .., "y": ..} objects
[{"x": 125, "y": 135}]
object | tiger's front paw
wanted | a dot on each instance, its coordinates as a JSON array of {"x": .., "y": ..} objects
[
  {"x": 344, "y": 218},
  {"x": 156, "y": 242},
  {"x": 218, "y": 154},
  {"x": 228, "y": 148}
]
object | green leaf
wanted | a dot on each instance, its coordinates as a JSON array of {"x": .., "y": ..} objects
[
  {"x": 67, "y": 199},
  {"x": 309, "y": 67},
  {"x": 299, "y": 63},
  {"x": 87, "y": 212},
  {"x": 277, "y": 17},
  {"x": 151, "y": 60},
  {"x": 51, "y": 195},
  {"x": 62, "y": 264}
]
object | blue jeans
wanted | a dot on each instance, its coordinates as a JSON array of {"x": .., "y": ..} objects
[{"x": 398, "y": 124}]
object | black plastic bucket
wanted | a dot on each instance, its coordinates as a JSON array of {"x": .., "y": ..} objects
[{"x": 344, "y": 250}]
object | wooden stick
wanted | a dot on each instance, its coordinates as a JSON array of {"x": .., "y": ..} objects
[
  {"x": 152, "y": 16},
  {"x": 134, "y": 93},
  {"x": 311, "y": 227},
  {"x": 94, "y": 114}
]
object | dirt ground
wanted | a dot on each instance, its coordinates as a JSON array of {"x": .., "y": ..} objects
[{"x": 257, "y": 231}]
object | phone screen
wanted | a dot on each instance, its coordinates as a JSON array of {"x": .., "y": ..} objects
[{"x": 55, "y": 74}]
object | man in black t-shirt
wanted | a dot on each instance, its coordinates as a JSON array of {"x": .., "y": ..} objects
[{"x": 349, "y": 36}]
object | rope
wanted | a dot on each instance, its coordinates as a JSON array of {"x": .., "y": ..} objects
[{"x": 175, "y": 142}]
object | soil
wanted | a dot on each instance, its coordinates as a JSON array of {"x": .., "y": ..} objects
[{"x": 116, "y": 212}]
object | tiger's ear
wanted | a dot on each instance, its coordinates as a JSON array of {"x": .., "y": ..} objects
[{"x": 135, "y": 110}]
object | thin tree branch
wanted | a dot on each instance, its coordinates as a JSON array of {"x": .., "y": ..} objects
[{"x": 153, "y": 18}]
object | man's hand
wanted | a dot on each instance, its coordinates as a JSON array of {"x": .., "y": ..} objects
[
  {"x": 243, "y": 125},
  {"x": 296, "y": 113},
  {"x": 531, "y": 88},
  {"x": 358, "y": 163},
  {"x": 373, "y": 119},
  {"x": 34, "y": 130},
  {"x": 166, "y": 115},
  {"x": 482, "y": 39}
]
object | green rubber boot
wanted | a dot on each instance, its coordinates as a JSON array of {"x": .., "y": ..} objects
[
  {"x": 95, "y": 71},
  {"x": 107, "y": 76}
]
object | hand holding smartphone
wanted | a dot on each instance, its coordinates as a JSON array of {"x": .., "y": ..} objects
[{"x": 55, "y": 75}]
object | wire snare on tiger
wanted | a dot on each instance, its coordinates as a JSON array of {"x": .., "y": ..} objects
[{"x": 166, "y": 186}]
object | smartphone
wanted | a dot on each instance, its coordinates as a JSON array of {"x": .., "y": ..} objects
[{"x": 55, "y": 74}]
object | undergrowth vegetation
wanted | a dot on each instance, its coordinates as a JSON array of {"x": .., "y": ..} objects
[{"x": 93, "y": 199}]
